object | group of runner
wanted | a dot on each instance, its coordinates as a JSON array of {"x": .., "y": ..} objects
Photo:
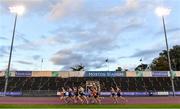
[
  {"x": 76, "y": 95},
  {"x": 116, "y": 95}
]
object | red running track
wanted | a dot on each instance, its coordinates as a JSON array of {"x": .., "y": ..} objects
[{"x": 106, "y": 100}]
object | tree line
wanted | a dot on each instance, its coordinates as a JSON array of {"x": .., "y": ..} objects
[{"x": 159, "y": 63}]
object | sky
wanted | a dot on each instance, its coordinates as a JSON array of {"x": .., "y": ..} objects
[{"x": 65, "y": 33}]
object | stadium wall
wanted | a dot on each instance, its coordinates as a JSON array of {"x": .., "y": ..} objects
[
  {"x": 66, "y": 74},
  {"x": 56, "y": 93}
]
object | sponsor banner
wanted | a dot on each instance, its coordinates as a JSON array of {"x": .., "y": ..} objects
[
  {"x": 1, "y": 73},
  {"x": 81, "y": 73},
  {"x": 169, "y": 74},
  {"x": 141, "y": 93},
  {"x": 12, "y": 73},
  {"x": 76, "y": 73},
  {"x": 177, "y": 73},
  {"x": 12, "y": 93},
  {"x": 135, "y": 93},
  {"x": 105, "y": 93},
  {"x": 155, "y": 93},
  {"x": 73, "y": 74},
  {"x": 172, "y": 74},
  {"x": 160, "y": 74},
  {"x": 130, "y": 74},
  {"x": 147, "y": 74},
  {"x": 163, "y": 93},
  {"x": 55, "y": 74},
  {"x": 64, "y": 74},
  {"x": 121, "y": 73},
  {"x": 23, "y": 73},
  {"x": 102, "y": 74},
  {"x": 41, "y": 74},
  {"x": 176, "y": 93},
  {"x": 139, "y": 73},
  {"x": 131, "y": 93},
  {"x": 127, "y": 93}
]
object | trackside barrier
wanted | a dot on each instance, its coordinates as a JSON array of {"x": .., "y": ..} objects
[
  {"x": 135, "y": 93},
  {"x": 40, "y": 93},
  {"x": 46, "y": 93},
  {"x": 11, "y": 94}
]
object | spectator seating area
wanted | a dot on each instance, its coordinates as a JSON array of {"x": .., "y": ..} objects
[{"x": 125, "y": 83}]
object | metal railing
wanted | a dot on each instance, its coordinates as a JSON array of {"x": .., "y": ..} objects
[{"x": 39, "y": 93}]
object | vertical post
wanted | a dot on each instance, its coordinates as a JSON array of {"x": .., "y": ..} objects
[
  {"x": 10, "y": 55},
  {"x": 107, "y": 62},
  {"x": 168, "y": 56},
  {"x": 108, "y": 65},
  {"x": 141, "y": 64},
  {"x": 41, "y": 63}
]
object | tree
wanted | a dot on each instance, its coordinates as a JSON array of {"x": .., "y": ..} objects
[
  {"x": 126, "y": 70},
  {"x": 141, "y": 67},
  {"x": 119, "y": 69},
  {"x": 79, "y": 67},
  {"x": 161, "y": 62}
]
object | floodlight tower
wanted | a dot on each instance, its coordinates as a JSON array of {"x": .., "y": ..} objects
[
  {"x": 162, "y": 12},
  {"x": 17, "y": 10}
]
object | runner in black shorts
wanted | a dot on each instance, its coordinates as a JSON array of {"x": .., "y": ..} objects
[
  {"x": 70, "y": 96},
  {"x": 96, "y": 95},
  {"x": 82, "y": 94},
  {"x": 118, "y": 90},
  {"x": 63, "y": 95},
  {"x": 77, "y": 95},
  {"x": 91, "y": 98},
  {"x": 113, "y": 95}
]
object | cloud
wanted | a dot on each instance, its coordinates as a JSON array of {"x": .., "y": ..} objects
[
  {"x": 133, "y": 23},
  {"x": 97, "y": 24},
  {"x": 174, "y": 39},
  {"x": 87, "y": 31},
  {"x": 176, "y": 29},
  {"x": 69, "y": 58},
  {"x": 98, "y": 45},
  {"x": 97, "y": 37},
  {"x": 24, "y": 62},
  {"x": 62, "y": 56},
  {"x": 36, "y": 57},
  {"x": 129, "y": 7},
  {"x": 21, "y": 37},
  {"x": 54, "y": 9},
  {"x": 43, "y": 41},
  {"x": 123, "y": 57},
  {"x": 89, "y": 48},
  {"x": 3, "y": 38},
  {"x": 145, "y": 53},
  {"x": 64, "y": 8},
  {"x": 4, "y": 50}
]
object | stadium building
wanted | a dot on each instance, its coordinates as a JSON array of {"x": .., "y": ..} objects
[{"x": 132, "y": 83}]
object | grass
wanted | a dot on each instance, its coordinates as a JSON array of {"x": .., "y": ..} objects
[{"x": 90, "y": 106}]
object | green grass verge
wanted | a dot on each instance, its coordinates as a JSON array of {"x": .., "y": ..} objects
[{"x": 95, "y": 106}]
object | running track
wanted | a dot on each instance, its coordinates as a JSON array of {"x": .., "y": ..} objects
[{"x": 106, "y": 100}]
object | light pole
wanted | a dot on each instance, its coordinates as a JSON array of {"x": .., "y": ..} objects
[
  {"x": 17, "y": 10},
  {"x": 42, "y": 63},
  {"x": 162, "y": 12},
  {"x": 107, "y": 61}
]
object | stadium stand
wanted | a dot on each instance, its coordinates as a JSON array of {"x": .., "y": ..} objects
[
  {"x": 42, "y": 84},
  {"x": 125, "y": 83}
]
